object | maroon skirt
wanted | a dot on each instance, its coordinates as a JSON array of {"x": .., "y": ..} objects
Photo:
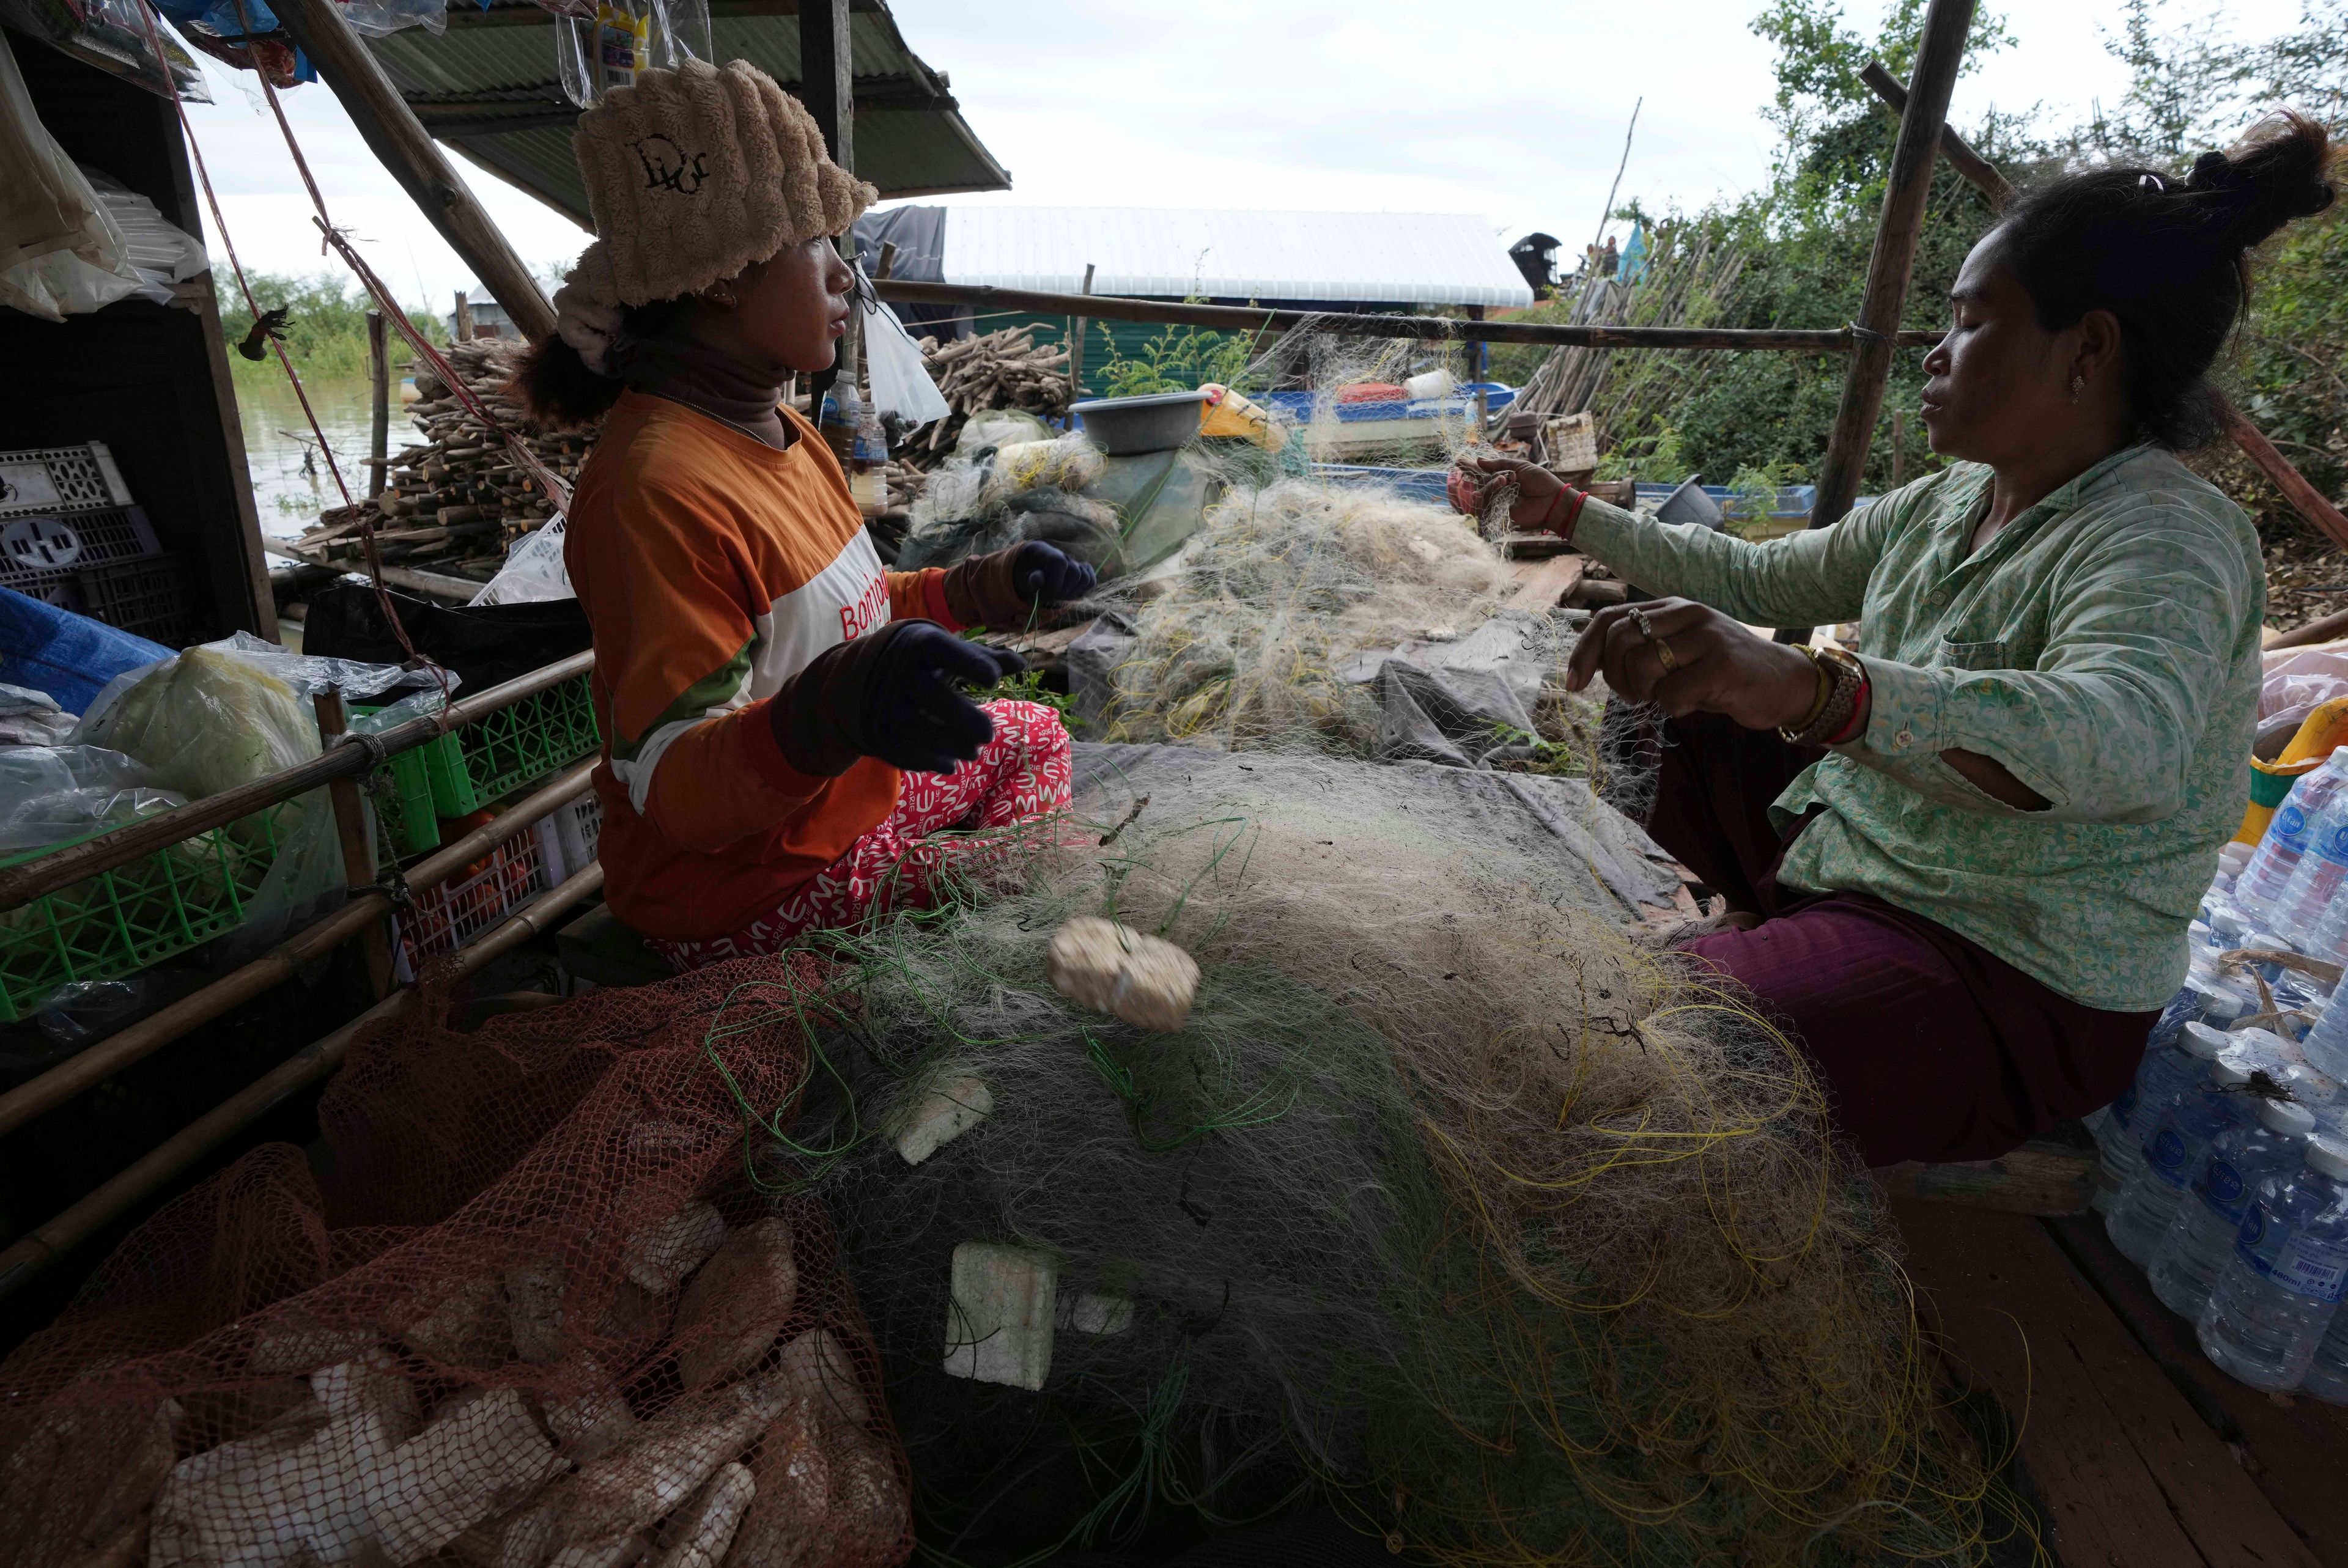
[{"x": 1931, "y": 1047}]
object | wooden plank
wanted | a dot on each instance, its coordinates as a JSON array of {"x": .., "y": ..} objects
[
  {"x": 2129, "y": 1472},
  {"x": 1544, "y": 585},
  {"x": 392, "y": 134},
  {"x": 2293, "y": 1448},
  {"x": 988, "y": 297},
  {"x": 2041, "y": 1177}
]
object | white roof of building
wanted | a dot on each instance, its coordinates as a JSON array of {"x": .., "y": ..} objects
[{"x": 1367, "y": 258}]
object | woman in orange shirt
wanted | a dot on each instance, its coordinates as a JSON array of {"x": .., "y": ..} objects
[{"x": 785, "y": 739}]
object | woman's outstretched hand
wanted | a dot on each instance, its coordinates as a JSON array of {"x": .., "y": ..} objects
[
  {"x": 1473, "y": 478},
  {"x": 1687, "y": 659}
]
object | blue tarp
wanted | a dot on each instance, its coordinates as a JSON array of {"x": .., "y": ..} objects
[{"x": 68, "y": 656}]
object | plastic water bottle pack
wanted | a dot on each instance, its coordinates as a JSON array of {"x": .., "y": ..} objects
[
  {"x": 2187, "y": 1263},
  {"x": 2260, "y": 887},
  {"x": 2273, "y": 1306},
  {"x": 2172, "y": 1063},
  {"x": 2316, "y": 880},
  {"x": 2175, "y": 1150}
]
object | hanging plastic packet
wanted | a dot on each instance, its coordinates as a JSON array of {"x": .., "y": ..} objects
[
  {"x": 600, "y": 45},
  {"x": 900, "y": 376}
]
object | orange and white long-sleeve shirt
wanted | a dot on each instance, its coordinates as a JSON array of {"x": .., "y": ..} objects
[{"x": 713, "y": 568}]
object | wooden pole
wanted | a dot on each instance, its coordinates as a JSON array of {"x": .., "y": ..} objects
[
  {"x": 1077, "y": 327},
  {"x": 1978, "y": 171},
  {"x": 1898, "y": 447},
  {"x": 2306, "y": 498},
  {"x": 826, "y": 75},
  {"x": 461, "y": 319},
  {"x": 1476, "y": 349},
  {"x": 1432, "y": 329},
  {"x": 398, "y": 139},
  {"x": 378, "y": 401},
  {"x": 351, "y": 825},
  {"x": 1939, "y": 53},
  {"x": 2328, "y": 628}
]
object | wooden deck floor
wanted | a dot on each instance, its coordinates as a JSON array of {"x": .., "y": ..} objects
[{"x": 2141, "y": 1454}]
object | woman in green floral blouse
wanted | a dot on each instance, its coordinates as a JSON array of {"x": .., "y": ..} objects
[{"x": 1960, "y": 862}]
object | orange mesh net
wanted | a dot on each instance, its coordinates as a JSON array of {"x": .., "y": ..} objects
[{"x": 526, "y": 1307}]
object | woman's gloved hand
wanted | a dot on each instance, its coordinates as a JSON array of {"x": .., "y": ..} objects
[
  {"x": 893, "y": 694},
  {"x": 1005, "y": 589}
]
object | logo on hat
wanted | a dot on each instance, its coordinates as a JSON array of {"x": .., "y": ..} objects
[{"x": 667, "y": 168}]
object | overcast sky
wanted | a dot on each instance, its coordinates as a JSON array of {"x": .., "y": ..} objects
[{"x": 1513, "y": 112}]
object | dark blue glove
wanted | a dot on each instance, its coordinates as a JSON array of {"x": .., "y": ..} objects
[
  {"x": 1046, "y": 574},
  {"x": 1005, "y": 589},
  {"x": 893, "y": 694}
]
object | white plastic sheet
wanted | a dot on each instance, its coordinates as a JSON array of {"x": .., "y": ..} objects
[
  {"x": 534, "y": 569},
  {"x": 900, "y": 378}
]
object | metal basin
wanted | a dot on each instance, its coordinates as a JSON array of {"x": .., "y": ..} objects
[{"x": 1160, "y": 421}]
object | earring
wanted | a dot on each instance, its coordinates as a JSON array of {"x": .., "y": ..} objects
[
  {"x": 721, "y": 296},
  {"x": 2079, "y": 385}
]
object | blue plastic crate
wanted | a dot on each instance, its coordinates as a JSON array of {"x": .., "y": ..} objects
[{"x": 1411, "y": 484}]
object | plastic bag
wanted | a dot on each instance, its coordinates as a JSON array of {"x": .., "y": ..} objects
[
  {"x": 206, "y": 721},
  {"x": 225, "y": 715},
  {"x": 60, "y": 253},
  {"x": 307, "y": 673},
  {"x": 2298, "y": 681},
  {"x": 55, "y": 795},
  {"x": 381, "y": 18},
  {"x": 999, "y": 427},
  {"x": 900, "y": 377},
  {"x": 534, "y": 571},
  {"x": 605, "y": 45},
  {"x": 30, "y": 718}
]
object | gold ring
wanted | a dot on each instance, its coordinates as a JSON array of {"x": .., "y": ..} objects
[{"x": 1664, "y": 655}]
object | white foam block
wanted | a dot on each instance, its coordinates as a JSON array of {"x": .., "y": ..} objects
[
  {"x": 999, "y": 1326},
  {"x": 948, "y": 1110}
]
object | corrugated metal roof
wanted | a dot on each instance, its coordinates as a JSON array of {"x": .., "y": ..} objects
[
  {"x": 489, "y": 87},
  {"x": 1337, "y": 258}
]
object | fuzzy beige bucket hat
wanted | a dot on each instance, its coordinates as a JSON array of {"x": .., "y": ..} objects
[{"x": 694, "y": 173}]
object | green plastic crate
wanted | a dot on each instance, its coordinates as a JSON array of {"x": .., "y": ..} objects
[
  {"x": 512, "y": 746},
  {"x": 122, "y": 920},
  {"x": 406, "y": 820}
]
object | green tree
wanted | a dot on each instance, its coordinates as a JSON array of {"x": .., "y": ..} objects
[{"x": 326, "y": 327}]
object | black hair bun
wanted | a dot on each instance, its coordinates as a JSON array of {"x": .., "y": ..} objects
[{"x": 2278, "y": 172}]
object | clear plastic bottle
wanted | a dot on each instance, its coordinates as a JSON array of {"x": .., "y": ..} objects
[
  {"x": 2326, "y": 1045},
  {"x": 2260, "y": 886},
  {"x": 2316, "y": 880},
  {"x": 2233, "y": 859},
  {"x": 2188, "y": 1039},
  {"x": 2201, "y": 1237},
  {"x": 2180, "y": 1140},
  {"x": 2327, "y": 1373},
  {"x": 2329, "y": 938},
  {"x": 2275, "y": 1301}
]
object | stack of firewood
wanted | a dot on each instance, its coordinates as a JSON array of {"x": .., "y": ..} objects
[
  {"x": 459, "y": 492},
  {"x": 998, "y": 370}
]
